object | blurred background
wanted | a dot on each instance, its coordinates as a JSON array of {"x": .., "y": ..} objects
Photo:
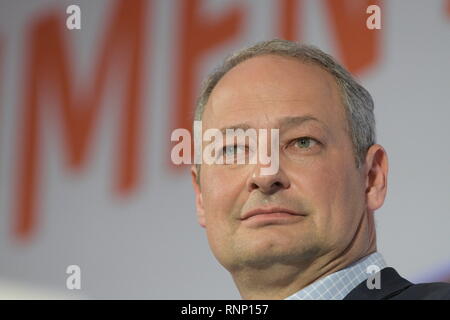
[{"x": 86, "y": 116}]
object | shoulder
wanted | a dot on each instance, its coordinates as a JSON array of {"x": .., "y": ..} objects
[
  {"x": 393, "y": 286},
  {"x": 425, "y": 291}
]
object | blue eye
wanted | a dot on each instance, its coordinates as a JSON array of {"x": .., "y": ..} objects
[
  {"x": 304, "y": 142},
  {"x": 232, "y": 149}
]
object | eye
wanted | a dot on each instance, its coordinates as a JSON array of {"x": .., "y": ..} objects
[
  {"x": 304, "y": 142},
  {"x": 232, "y": 150}
]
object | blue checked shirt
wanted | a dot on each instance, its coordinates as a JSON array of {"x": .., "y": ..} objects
[{"x": 337, "y": 285}]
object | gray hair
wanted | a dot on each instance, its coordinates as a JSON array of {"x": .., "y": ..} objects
[{"x": 358, "y": 103}]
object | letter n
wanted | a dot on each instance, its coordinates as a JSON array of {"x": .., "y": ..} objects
[
  {"x": 358, "y": 46},
  {"x": 288, "y": 19}
]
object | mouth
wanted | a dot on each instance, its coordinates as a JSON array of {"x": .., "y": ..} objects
[{"x": 270, "y": 213}]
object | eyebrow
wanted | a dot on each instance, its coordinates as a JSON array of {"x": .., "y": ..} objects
[
  {"x": 284, "y": 123},
  {"x": 289, "y": 122},
  {"x": 243, "y": 126}
]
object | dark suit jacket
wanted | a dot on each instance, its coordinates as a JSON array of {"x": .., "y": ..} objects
[{"x": 394, "y": 287}]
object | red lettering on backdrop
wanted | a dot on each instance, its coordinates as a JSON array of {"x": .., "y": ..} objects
[
  {"x": 48, "y": 67},
  {"x": 288, "y": 21},
  {"x": 198, "y": 34},
  {"x": 1, "y": 73},
  {"x": 2, "y": 45},
  {"x": 448, "y": 9},
  {"x": 358, "y": 46}
]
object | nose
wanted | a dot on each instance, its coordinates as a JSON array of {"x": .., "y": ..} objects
[{"x": 268, "y": 184}]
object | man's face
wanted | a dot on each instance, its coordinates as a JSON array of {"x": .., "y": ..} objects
[{"x": 317, "y": 178}]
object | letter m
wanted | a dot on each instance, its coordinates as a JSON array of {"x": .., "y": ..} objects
[{"x": 48, "y": 70}]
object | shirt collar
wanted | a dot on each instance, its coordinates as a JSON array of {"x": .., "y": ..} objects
[{"x": 337, "y": 285}]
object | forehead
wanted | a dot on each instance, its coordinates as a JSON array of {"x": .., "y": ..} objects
[{"x": 263, "y": 89}]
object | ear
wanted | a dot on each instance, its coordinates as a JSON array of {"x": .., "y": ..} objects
[
  {"x": 376, "y": 176},
  {"x": 198, "y": 197}
]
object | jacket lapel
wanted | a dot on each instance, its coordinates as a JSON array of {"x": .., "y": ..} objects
[{"x": 391, "y": 284}]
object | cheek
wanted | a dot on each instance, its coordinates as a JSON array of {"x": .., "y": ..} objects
[
  {"x": 223, "y": 198},
  {"x": 221, "y": 192},
  {"x": 335, "y": 196}
]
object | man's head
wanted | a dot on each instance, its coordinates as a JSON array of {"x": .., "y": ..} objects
[{"x": 331, "y": 176}]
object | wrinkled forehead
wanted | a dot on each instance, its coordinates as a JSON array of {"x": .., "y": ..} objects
[{"x": 264, "y": 89}]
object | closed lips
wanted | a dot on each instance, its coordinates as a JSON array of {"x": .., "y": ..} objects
[{"x": 260, "y": 211}]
